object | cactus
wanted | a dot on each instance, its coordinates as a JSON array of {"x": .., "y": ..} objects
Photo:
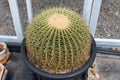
[{"x": 58, "y": 41}]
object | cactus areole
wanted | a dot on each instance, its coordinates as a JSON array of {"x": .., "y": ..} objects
[{"x": 58, "y": 41}]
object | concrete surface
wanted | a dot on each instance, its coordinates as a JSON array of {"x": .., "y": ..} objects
[
  {"x": 17, "y": 69},
  {"x": 108, "y": 68}
]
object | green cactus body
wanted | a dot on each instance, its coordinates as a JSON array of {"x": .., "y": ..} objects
[{"x": 58, "y": 41}]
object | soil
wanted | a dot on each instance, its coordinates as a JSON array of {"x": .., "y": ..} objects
[
  {"x": 1, "y": 50},
  {"x": 108, "y": 23}
]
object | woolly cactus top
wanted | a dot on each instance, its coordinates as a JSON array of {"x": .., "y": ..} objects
[{"x": 58, "y": 41}]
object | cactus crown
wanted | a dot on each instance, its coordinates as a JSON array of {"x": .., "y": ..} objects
[{"x": 58, "y": 41}]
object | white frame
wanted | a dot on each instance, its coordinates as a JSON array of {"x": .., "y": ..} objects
[
  {"x": 90, "y": 14},
  {"x": 29, "y": 9},
  {"x": 91, "y": 17},
  {"x": 17, "y": 24}
]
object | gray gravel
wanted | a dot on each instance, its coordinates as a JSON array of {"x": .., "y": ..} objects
[
  {"x": 109, "y": 20},
  {"x": 39, "y": 5},
  {"x": 6, "y": 24}
]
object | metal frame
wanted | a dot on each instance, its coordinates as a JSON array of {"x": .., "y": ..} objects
[
  {"x": 29, "y": 9},
  {"x": 87, "y": 8},
  {"x": 90, "y": 14},
  {"x": 107, "y": 42},
  {"x": 94, "y": 15}
]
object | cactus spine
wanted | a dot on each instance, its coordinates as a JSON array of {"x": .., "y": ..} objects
[{"x": 58, "y": 41}]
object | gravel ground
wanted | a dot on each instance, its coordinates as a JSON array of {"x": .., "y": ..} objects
[
  {"x": 39, "y": 5},
  {"x": 6, "y": 24},
  {"x": 109, "y": 20},
  {"x": 108, "y": 23}
]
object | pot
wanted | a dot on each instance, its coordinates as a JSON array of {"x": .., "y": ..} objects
[
  {"x": 76, "y": 75},
  {"x": 4, "y": 51}
]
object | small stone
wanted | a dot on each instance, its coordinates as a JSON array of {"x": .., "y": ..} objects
[
  {"x": 108, "y": 35},
  {"x": 1, "y": 29},
  {"x": 118, "y": 49},
  {"x": 113, "y": 48},
  {"x": 116, "y": 13}
]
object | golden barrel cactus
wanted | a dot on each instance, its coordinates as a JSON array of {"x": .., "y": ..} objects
[{"x": 58, "y": 41}]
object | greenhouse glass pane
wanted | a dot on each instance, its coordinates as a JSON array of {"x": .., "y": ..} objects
[
  {"x": 109, "y": 20},
  {"x": 6, "y": 24},
  {"x": 39, "y": 5}
]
